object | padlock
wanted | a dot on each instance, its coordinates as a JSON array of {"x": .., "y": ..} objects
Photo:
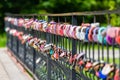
[
  {"x": 81, "y": 63},
  {"x": 95, "y": 33},
  {"x": 111, "y": 35},
  {"x": 88, "y": 65},
  {"x": 42, "y": 47},
  {"x": 77, "y": 32},
  {"x": 19, "y": 35},
  {"x": 95, "y": 24},
  {"x": 86, "y": 33},
  {"x": 117, "y": 37},
  {"x": 71, "y": 59},
  {"x": 62, "y": 54},
  {"x": 30, "y": 24},
  {"x": 96, "y": 66},
  {"x": 80, "y": 56},
  {"x": 71, "y": 31},
  {"x": 77, "y": 68},
  {"x": 91, "y": 34},
  {"x": 56, "y": 55},
  {"x": 74, "y": 32},
  {"x": 61, "y": 30},
  {"x": 48, "y": 47},
  {"x": 117, "y": 75},
  {"x": 7, "y": 29},
  {"x": 20, "y": 22},
  {"x": 106, "y": 71},
  {"x": 82, "y": 33},
  {"x": 101, "y": 38},
  {"x": 68, "y": 31}
]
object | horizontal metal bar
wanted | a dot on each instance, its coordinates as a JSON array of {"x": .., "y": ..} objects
[{"x": 70, "y": 14}]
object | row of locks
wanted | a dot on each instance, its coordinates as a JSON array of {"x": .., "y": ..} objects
[
  {"x": 78, "y": 62},
  {"x": 86, "y": 32}
]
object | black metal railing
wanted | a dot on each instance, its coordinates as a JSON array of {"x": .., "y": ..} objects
[{"x": 48, "y": 69}]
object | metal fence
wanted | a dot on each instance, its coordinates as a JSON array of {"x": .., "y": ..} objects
[{"x": 48, "y": 69}]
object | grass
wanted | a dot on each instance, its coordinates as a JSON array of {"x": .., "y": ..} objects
[
  {"x": 3, "y": 40},
  {"x": 111, "y": 60}
]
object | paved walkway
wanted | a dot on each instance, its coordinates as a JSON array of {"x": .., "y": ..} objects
[{"x": 9, "y": 70}]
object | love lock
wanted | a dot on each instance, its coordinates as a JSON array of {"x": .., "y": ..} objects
[
  {"x": 31, "y": 24},
  {"x": 65, "y": 29},
  {"x": 56, "y": 55},
  {"x": 44, "y": 25},
  {"x": 61, "y": 30},
  {"x": 71, "y": 31},
  {"x": 80, "y": 56},
  {"x": 95, "y": 33},
  {"x": 117, "y": 75},
  {"x": 63, "y": 54},
  {"x": 31, "y": 42},
  {"x": 111, "y": 34},
  {"x": 71, "y": 59},
  {"x": 78, "y": 32},
  {"x": 86, "y": 33},
  {"x": 81, "y": 63},
  {"x": 107, "y": 71},
  {"x": 51, "y": 51},
  {"x": 20, "y": 22},
  {"x": 90, "y": 34},
  {"x": 82, "y": 33},
  {"x": 96, "y": 66},
  {"x": 48, "y": 47},
  {"x": 74, "y": 32},
  {"x": 7, "y": 29},
  {"x": 88, "y": 65},
  {"x": 117, "y": 38},
  {"x": 100, "y": 37}
]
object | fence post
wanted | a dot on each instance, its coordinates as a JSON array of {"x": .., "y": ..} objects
[
  {"x": 34, "y": 57},
  {"x": 74, "y": 46},
  {"x": 48, "y": 56}
]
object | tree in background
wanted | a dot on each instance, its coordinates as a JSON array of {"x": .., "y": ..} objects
[{"x": 57, "y": 6}]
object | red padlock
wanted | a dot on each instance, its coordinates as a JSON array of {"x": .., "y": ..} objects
[
  {"x": 117, "y": 75},
  {"x": 88, "y": 65},
  {"x": 117, "y": 38},
  {"x": 91, "y": 34},
  {"x": 56, "y": 55},
  {"x": 81, "y": 62}
]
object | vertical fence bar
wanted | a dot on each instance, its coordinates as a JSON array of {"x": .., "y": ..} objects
[
  {"x": 113, "y": 50},
  {"x": 119, "y": 55},
  {"x": 93, "y": 43},
  {"x": 48, "y": 56},
  {"x": 74, "y": 47}
]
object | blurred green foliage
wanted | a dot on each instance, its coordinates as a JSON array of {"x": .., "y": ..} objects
[
  {"x": 57, "y": 6},
  {"x": 3, "y": 40}
]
